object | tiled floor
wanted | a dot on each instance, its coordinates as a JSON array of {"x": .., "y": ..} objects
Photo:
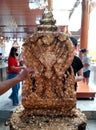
[
  {"x": 3, "y": 127},
  {"x": 84, "y": 105},
  {"x": 91, "y": 125}
]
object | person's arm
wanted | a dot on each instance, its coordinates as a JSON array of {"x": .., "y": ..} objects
[
  {"x": 79, "y": 76},
  {"x": 16, "y": 68},
  {"x": 6, "y": 85}
]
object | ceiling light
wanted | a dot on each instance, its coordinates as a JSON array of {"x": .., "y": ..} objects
[{"x": 38, "y": 4}]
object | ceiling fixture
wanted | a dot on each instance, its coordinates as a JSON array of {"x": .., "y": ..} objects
[{"x": 38, "y": 4}]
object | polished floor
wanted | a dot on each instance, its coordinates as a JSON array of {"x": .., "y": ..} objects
[{"x": 86, "y": 105}]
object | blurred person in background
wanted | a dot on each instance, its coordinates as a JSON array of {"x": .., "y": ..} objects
[
  {"x": 77, "y": 63},
  {"x": 86, "y": 60},
  {"x": 13, "y": 71}
]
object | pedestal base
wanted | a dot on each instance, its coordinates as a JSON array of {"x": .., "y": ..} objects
[{"x": 19, "y": 121}]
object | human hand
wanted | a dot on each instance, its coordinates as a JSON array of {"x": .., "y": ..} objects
[{"x": 25, "y": 73}]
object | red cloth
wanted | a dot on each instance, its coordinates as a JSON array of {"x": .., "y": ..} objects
[{"x": 13, "y": 62}]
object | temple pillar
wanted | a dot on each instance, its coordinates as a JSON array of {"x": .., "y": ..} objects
[
  {"x": 50, "y": 4},
  {"x": 84, "y": 24}
]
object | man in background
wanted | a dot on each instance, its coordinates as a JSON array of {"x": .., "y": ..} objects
[
  {"x": 86, "y": 60},
  {"x": 77, "y": 63}
]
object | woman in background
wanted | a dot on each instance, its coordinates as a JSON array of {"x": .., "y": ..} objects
[{"x": 13, "y": 71}]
